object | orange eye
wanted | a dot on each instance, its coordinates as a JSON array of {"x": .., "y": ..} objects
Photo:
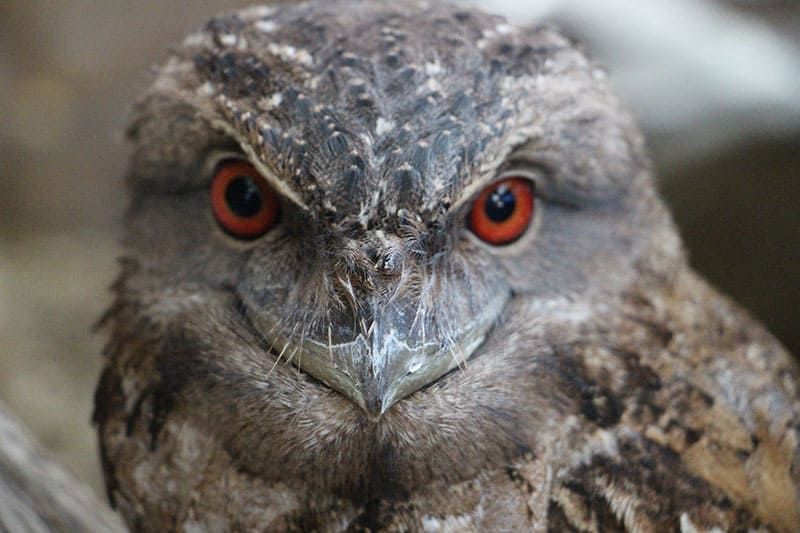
[
  {"x": 243, "y": 202},
  {"x": 503, "y": 211}
]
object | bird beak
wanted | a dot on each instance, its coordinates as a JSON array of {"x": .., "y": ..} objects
[{"x": 402, "y": 352}]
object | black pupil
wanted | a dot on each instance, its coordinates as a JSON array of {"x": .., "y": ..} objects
[
  {"x": 243, "y": 197},
  {"x": 500, "y": 204}
]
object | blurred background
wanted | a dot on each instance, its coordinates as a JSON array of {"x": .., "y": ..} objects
[{"x": 715, "y": 85}]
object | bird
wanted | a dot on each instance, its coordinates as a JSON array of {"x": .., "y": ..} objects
[{"x": 405, "y": 267}]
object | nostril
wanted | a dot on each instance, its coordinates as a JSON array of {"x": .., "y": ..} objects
[{"x": 380, "y": 254}]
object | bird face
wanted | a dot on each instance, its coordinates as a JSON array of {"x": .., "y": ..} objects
[
  {"x": 375, "y": 204},
  {"x": 403, "y": 266}
]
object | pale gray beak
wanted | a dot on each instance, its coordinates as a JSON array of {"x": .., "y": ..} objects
[{"x": 402, "y": 351}]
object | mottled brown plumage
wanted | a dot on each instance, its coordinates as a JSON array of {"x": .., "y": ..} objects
[{"x": 582, "y": 378}]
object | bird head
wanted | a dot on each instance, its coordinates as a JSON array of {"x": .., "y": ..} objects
[{"x": 379, "y": 197}]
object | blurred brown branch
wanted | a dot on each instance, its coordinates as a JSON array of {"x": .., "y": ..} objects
[{"x": 38, "y": 495}]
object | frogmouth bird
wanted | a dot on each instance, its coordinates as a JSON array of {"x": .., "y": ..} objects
[{"x": 403, "y": 266}]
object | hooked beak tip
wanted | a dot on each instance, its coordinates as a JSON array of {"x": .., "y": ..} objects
[
  {"x": 374, "y": 410},
  {"x": 375, "y": 405}
]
